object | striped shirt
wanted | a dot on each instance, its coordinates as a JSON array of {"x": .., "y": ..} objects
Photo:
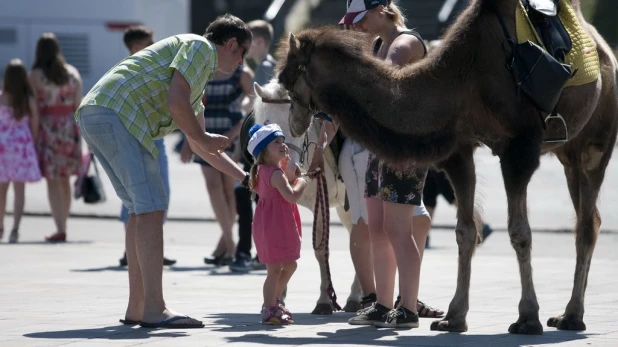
[{"x": 137, "y": 87}]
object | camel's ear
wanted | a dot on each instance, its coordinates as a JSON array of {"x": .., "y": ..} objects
[
  {"x": 294, "y": 43},
  {"x": 259, "y": 90}
]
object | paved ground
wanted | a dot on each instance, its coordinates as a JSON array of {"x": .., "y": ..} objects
[{"x": 74, "y": 294}]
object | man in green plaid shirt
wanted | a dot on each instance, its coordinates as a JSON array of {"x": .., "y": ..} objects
[{"x": 143, "y": 98}]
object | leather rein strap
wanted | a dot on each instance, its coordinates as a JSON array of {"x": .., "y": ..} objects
[{"x": 322, "y": 208}]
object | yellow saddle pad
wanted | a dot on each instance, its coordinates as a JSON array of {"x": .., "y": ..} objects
[{"x": 583, "y": 56}]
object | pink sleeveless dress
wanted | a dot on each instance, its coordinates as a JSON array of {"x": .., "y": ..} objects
[
  {"x": 18, "y": 158},
  {"x": 276, "y": 225}
]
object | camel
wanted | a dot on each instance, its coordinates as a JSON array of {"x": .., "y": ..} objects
[
  {"x": 272, "y": 105},
  {"x": 438, "y": 110}
]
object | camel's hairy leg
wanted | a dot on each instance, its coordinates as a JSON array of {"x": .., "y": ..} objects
[
  {"x": 460, "y": 170},
  {"x": 585, "y": 171},
  {"x": 323, "y": 305},
  {"x": 520, "y": 159},
  {"x": 353, "y": 303}
]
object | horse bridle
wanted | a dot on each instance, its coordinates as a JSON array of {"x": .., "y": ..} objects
[{"x": 302, "y": 152}]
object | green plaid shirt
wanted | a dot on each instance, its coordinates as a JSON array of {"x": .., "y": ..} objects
[{"x": 137, "y": 87}]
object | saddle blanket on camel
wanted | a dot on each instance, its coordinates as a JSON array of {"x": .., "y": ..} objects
[{"x": 583, "y": 56}]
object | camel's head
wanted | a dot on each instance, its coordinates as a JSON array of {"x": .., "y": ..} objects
[{"x": 293, "y": 77}]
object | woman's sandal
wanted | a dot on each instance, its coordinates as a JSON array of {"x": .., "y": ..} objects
[
  {"x": 57, "y": 237},
  {"x": 425, "y": 311}
]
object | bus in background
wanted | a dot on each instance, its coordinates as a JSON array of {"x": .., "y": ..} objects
[{"x": 90, "y": 31}]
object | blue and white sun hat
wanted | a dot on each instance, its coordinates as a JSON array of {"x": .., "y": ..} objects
[{"x": 261, "y": 136}]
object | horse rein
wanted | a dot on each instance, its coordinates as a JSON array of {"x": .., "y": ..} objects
[{"x": 321, "y": 201}]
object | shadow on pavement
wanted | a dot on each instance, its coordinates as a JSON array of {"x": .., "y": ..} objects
[
  {"x": 252, "y": 322},
  {"x": 209, "y": 270},
  {"x": 370, "y": 336},
  {"x": 30, "y": 243},
  {"x": 115, "y": 332},
  {"x": 101, "y": 269},
  {"x": 367, "y": 335}
]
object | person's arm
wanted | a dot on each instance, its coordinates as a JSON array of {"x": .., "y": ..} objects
[
  {"x": 33, "y": 79},
  {"x": 178, "y": 101},
  {"x": 77, "y": 96},
  {"x": 327, "y": 134},
  {"x": 404, "y": 50},
  {"x": 291, "y": 194},
  {"x": 34, "y": 118},
  {"x": 219, "y": 161},
  {"x": 246, "y": 83}
]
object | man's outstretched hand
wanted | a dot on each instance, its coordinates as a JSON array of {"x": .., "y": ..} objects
[{"x": 215, "y": 143}]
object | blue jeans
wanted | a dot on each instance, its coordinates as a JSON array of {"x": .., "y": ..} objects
[
  {"x": 133, "y": 171},
  {"x": 165, "y": 174}
]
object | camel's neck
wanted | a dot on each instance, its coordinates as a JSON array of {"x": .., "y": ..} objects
[
  {"x": 387, "y": 95},
  {"x": 412, "y": 108}
]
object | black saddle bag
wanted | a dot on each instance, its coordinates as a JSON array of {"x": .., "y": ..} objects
[
  {"x": 539, "y": 75},
  {"x": 553, "y": 34}
]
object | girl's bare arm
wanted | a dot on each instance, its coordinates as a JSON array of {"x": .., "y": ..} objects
[{"x": 289, "y": 193}]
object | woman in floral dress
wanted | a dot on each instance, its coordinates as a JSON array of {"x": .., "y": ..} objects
[{"x": 58, "y": 88}]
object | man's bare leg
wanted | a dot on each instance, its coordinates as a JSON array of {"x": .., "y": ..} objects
[{"x": 149, "y": 246}]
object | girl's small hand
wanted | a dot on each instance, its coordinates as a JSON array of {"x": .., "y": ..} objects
[
  {"x": 290, "y": 170},
  {"x": 298, "y": 173}
]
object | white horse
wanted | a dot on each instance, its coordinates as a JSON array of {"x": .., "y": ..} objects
[{"x": 272, "y": 106}]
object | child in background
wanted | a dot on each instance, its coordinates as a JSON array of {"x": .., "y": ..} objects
[
  {"x": 276, "y": 225},
  {"x": 19, "y": 126}
]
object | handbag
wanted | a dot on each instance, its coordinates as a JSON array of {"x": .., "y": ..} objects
[
  {"x": 89, "y": 186},
  {"x": 539, "y": 75},
  {"x": 536, "y": 72}
]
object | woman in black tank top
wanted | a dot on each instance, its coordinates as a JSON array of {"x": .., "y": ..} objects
[{"x": 393, "y": 194}]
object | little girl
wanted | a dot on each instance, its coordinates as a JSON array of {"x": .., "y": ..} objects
[
  {"x": 19, "y": 125},
  {"x": 276, "y": 224}
]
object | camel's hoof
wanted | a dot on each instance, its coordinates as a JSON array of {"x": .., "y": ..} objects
[
  {"x": 323, "y": 309},
  {"x": 526, "y": 327},
  {"x": 451, "y": 326},
  {"x": 352, "y": 306},
  {"x": 567, "y": 322}
]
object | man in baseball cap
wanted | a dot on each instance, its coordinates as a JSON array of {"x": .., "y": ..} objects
[{"x": 357, "y": 9}]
